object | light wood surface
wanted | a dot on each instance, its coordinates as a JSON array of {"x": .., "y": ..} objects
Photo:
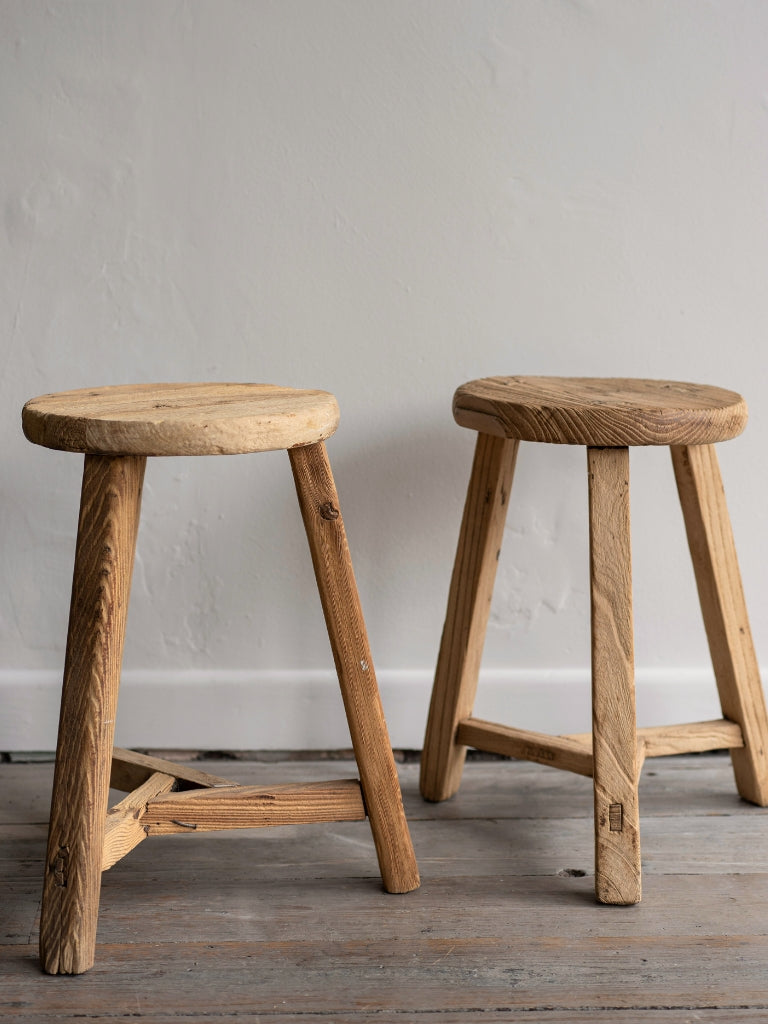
[
  {"x": 321, "y": 513},
  {"x": 106, "y": 539},
  {"x": 292, "y": 925},
  {"x": 124, "y": 828},
  {"x": 466, "y": 620},
  {"x": 206, "y": 810},
  {"x": 180, "y": 419},
  {"x": 614, "y": 742},
  {"x": 713, "y": 553},
  {"x": 687, "y": 738},
  {"x": 570, "y": 754},
  {"x": 164, "y": 804},
  {"x": 130, "y": 769},
  {"x": 573, "y": 753},
  {"x": 599, "y": 411}
]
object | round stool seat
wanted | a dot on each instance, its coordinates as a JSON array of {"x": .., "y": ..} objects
[
  {"x": 180, "y": 419},
  {"x": 600, "y": 411}
]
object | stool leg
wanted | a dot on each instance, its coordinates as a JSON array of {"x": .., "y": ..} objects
[
  {"x": 109, "y": 514},
  {"x": 724, "y": 610},
  {"x": 319, "y": 505},
  {"x": 466, "y": 620},
  {"x": 617, "y": 829}
]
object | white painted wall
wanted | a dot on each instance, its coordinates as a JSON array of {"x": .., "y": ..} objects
[{"x": 384, "y": 200}]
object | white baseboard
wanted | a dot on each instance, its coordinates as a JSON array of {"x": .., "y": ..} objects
[{"x": 302, "y": 710}]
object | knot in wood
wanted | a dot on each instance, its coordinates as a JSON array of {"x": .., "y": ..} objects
[
  {"x": 60, "y": 867},
  {"x": 327, "y": 511}
]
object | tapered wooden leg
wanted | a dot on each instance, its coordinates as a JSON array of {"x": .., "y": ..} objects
[
  {"x": 466, "y": 619},
  {"x": 713, "y": 552},
  {"x": 320, "y": 511},
  {"x": 109, "y": 515},
  {"x": 614, "y": 742}
]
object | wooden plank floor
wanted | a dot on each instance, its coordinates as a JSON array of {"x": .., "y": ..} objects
[{"x": 292, "y": 924}]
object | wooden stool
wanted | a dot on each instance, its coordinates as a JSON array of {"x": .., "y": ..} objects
[
  {"x": 607, "y": 416},
  {"x": 117, "y": 428}
]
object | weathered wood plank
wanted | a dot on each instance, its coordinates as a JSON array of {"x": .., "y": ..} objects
[
  {"x": 25, "y": 793},
  {"x": 124, "y": 829},
  {"x": 290, "y": 909},
  {"x": 564, "y": 752},
  {"x": 689, "y": 738},
  {"x": 204, "y": 810},
  {"x": 626, "y": 1015},
  {"x": 292, "y": 924},
  {"x": 704, "y": 845},
  {"x": 630, "y": 1015},
  {"x": 131, "y": 769},
  {"x": 19, "y": 921},
  {"x": 407, "y": 976},
  {"x": 573, "y": 752}
]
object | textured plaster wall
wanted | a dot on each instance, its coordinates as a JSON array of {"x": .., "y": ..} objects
[{"x": 384, "y": 200}]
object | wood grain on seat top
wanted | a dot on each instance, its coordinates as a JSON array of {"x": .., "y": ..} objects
[
  {"x": 180, "y": 419},
  {"x": 604, "y": 412}
]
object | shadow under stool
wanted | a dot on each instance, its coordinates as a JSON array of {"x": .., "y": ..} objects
[
  {"x": 607, "y": 416},
  {"x": 117, "y": 428}
]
